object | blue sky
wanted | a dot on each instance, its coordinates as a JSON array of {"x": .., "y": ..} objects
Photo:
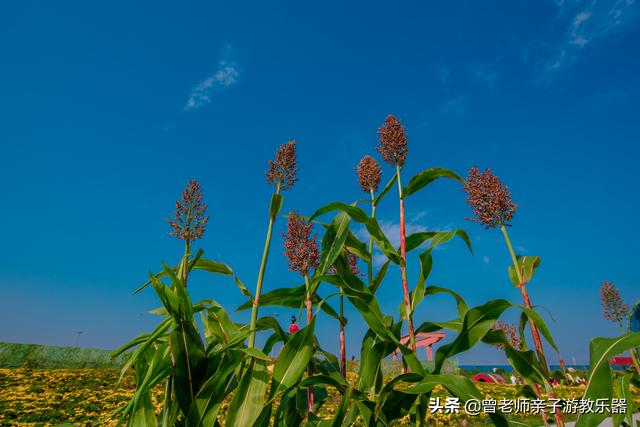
[{"x": 107, "y": 109}]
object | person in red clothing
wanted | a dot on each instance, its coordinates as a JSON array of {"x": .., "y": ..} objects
[{"x": 293, "y": 327}]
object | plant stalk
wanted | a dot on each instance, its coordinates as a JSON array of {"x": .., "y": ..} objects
[
  {"x": 534, "y": 329},
  {"x": 309, "y": 305},
  {"x": 343, "y": 347},
  {"x": 403, "y": 266},
  {"x": 370, "y": 264},
  {"x": 632, "y": 351},
  {"x": 263, "y": 267}
]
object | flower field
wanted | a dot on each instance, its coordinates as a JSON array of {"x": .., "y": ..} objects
[{"x": 87, "y": 397}]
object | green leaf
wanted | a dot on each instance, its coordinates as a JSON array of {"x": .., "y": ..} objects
[
  {"x": 291, "y": 298},
  {"x": 478, "y": 321},
  {"x": 275, "y": 205},
  {"x": 365, "y": 302},
  {"x": 437, "y": 238},
  {"x": 145, "y": 345},
  {"x": 249, "y": 397},
  {"x": 426, "y": 177},
  {"x": 255, "y": 353},
  {"x": 293, "y": 360},
  {"x": 190, "y": 363},
  {"x": 206, "y": 405},
  {"x": 355, "y": 246},
  {"x": 385, "y": 190},
  {"x": 622, "y": 388},
  {"x": 359, "y": 216},
  {"x": 217, "y": 323},
  {"x": 532, "y": 315},
  {"x": 152, "y": 367},
  {"x": 524, "y": 362},
  {"x": 333, "y": 242},
  {"x": 531, "y": 263},
  {"x": 459, "y": 386},
  {"x": 377, "y": 280},
  {"x": 270, "y": 322},
  {"x": 223, "y": 269},
  {"x": 461, "y": 305},
  {"x": 599, "y": 384}
]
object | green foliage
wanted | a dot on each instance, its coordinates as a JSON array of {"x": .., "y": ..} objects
[
  {"x": 600, "y": 382},
  {"x": 528, "y": 264},
  {"x": 201, "y": 371}
]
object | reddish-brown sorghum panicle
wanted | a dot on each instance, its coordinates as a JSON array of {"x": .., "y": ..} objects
[
  {"x": 189, "y": 221},
  {"x": 612, "y": 306},
  {"x": 301, "y": 248},
  {"x": 489, "y": 199},
  {"x": 369, "y": 173},
  {"x": 393, "y": 142},
  {"x": 282, "y": 171}
]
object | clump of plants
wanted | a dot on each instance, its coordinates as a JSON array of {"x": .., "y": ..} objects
[{"x": 223, "y": 366}]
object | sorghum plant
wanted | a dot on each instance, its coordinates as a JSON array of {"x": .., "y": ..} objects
[
  {"x": 369, "y": 173},
  {"x": 189, "y": 221},
  {"x": 393, "y": 149},
  {"x": 492, "y": 206},
  {"x": 303, "y": 256},
  {"x": 511, "y": 334},
  {"x": 615, "y": 310},
  {"x": 281, "y": 173}
]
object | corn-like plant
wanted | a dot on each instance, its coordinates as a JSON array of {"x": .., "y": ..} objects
[
  {"x": 492, "y": 207},
  {"x": 215, "y": 378},
  {"x": 281, "y": 173},
  {"x": 614, "y": 310}
]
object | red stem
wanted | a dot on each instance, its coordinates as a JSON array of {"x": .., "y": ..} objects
[
  {"x": 309, "y": 317},
  {"x": 538, "y": 342},
  {"x": 405, "y": 282}
]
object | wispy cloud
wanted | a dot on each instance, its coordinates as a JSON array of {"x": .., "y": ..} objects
[
  {"x": 455, "y": 106},
  {"x": 226, "y": 75},
  {"x": 587, "y": 25},
  {"x": 485, "y": 73},
  {"x": 445, "y": 75}
]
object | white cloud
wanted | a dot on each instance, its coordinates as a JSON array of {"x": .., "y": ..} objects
[
  {"x": 587, "y": 25},
  {"x": 445, "y": 75},
  {"x": 485, "y": 74},
  {"x": 226, "y": 75},
  {"x": 455, "y": 106}
]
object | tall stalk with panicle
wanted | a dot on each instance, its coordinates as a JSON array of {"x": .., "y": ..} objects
[
  {"x": 615, "y": 310},
  {"x": 189, "y": 222},
  {"x": 393, "y": 149},
  {"x": 369, "y": 173},
  {"x": 301, "y": 250},
  {"x": 281, "y": 173},
  {"x": 492, "y": 206}
]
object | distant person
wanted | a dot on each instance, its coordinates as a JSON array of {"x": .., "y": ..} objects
[
  {"x": 513, "y": 379},
  {"x": 293, "y": 327}
]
